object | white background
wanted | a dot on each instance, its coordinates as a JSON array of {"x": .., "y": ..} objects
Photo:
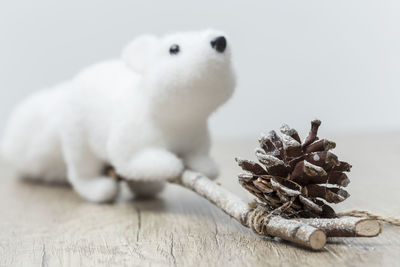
[{"x": 296, "y": 60}]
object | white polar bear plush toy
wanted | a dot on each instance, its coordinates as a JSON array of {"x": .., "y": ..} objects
[{"x": 145, "y": 114}]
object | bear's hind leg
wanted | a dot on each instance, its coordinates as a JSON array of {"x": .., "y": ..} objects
[{"x": 85, "y": 174}]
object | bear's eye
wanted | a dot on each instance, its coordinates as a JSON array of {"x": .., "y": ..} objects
[{"x": 174, "y": 49}]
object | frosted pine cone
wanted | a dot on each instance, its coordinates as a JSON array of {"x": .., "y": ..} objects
[{"x": 299, "y": 178}]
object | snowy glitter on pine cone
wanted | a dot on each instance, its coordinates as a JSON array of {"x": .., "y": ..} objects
[{"x": 302, "y": 176}]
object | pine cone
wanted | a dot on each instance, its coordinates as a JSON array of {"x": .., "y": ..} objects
[{"x": 303, "y": 177}]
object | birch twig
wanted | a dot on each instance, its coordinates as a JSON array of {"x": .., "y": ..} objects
[
  {"x": 256, "y": 219},
  {"x": 347, "y": 226},
  {"x": 311, "y": 233}
]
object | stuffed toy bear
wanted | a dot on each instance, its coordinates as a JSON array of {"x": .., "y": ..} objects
[{"x": 145, "y": 114}]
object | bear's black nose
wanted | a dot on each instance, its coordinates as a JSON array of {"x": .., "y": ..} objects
[{"x": 219, "y": 44}]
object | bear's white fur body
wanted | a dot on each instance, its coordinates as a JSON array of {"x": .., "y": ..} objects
[{"x": 145, "y": 114}]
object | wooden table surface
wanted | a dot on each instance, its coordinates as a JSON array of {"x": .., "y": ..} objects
[{"x": 51, "y": 226}]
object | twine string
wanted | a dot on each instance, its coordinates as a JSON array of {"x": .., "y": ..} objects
[{"x": 259, "y": 217}]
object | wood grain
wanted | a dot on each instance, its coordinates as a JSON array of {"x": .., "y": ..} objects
[{"x": 44, "y": 225}]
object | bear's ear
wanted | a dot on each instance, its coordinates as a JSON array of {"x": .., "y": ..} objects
[{"x": 140, "y": 52}]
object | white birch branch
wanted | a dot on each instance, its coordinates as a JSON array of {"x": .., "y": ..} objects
[
  {"x": 276, "y": 226},
  {"x": 311, "y": 233},
  {"x": 347, "y": 226}
]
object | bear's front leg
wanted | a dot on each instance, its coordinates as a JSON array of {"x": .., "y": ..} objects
[
  {"x": 152, "y": 165},
  {"x": 202, "y": 163}
]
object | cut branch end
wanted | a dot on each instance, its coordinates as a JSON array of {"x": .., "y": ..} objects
[
  {"x": 368, "y": 228},
  {"x": 317, "y": 240}
]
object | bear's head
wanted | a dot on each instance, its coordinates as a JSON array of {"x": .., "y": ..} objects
[{"x": 185, "y": 74}]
